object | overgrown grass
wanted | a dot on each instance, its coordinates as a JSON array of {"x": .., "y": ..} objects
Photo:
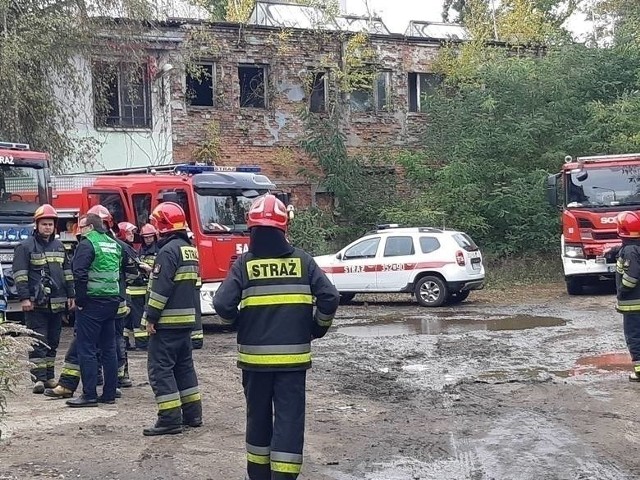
[{"x": 522, "y": 270}]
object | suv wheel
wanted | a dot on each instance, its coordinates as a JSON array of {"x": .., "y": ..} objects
[
  {"x": 458, "y": 297},
  {"x": 431, "y": 292},
  {"x": 346, "y": 298}
]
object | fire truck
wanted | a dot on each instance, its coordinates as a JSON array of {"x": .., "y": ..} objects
[
  {"x": 215, "y": 199},
  {"x": 25, "y": 184},
  {"x": 591, "y": 191}
]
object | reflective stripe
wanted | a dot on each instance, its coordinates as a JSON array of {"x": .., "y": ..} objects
[
  {"x": 122, "y": 309},
  {"x": 177, "y": 316},
  {"x": 137, "y": 290},
  {"x": 323, "y": 319},
  {"x": 288, "y": 299},
  {"x": 258, "y": 450},
  {"x": 169, "y": 405},
  {"x": 160, "y": 298},
  {"x": 70, "y": 372},
  {"x": 258, "y": 459},
  {"x": 167, "y": 397},
  {"x": 68, "y": 275},
  {"x": 284, "y": 467},
  {"x": 21, "y": 275},
  {"x": 275, "y": 349},
  {"x": 187, "y": 268},
  {"x": 191, "y": 398},
  {"x": 628, "y": 281},
  {"x": 197, "y": 334},
  {"x": 275, "y": 289},
  {"x": 188, "y": 391},
  {"x": 274, "y": 360},
  {"x": 286, "y": 457},
  {"x": 140, "y": 334},
  {"x": 155, "y": 304},
  {"x": 180, "y": 277}
]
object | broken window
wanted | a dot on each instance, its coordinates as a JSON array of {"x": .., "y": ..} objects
[
  {"x": 421, "y": 85},
  {"x": 252, "y": 86},
  {"x": 200, "y": 85},
  {"x": 318, "y": 97},
  {"x": 122, "y": 95},
  {"x": 374, "y": 98}
]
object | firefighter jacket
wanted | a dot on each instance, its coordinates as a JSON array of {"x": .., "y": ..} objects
[
  {"x": 628, "y": 276},
  {"x": 96, "y": 268},
  {"x": 276, "y": 320},
  {"x": 171, "y": 301},
  {"x": 42, "y": 273},
  {"x": 147, "y": 254},
  {"x": 129, "y": 274}
]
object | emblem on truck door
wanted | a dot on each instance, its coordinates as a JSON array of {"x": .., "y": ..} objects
[
  {"x": 241, "y": 248},
  {"x": 608, "y": 220}
]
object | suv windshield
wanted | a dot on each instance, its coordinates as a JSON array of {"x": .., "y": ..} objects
[
  {"x": 605, "y": 186},
  {"x": 22, "y": 189},
  {"x": 223, "y": 210}
]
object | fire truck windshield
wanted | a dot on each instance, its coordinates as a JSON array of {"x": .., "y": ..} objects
[
  {"x": 22, "y": 189},
  {"x": 223, "y": 211},
  {"x": 603, "y": 187}
]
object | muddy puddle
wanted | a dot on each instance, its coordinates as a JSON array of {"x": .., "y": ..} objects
[
  {"x": 614, "y": 362},
  {"x": 446, "y": 324}
]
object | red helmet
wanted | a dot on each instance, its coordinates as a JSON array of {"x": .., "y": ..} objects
[
  {"x": 628, "y": 225},
  {"x": 124, "y": 228},
  {"x": 168, "y": 217},
  {"x": 148, "y": 230},
  {"x": 268, "y": 211},
  {"x": 103, "y": 213},
  {"x": 45, "y": 211}
]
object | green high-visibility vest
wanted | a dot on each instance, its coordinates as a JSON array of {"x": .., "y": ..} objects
[{"x": 104, "y": 272}]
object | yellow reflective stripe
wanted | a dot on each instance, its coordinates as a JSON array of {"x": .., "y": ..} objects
[
  {"x": 285, "y": 467},
  {"x": 156, "y": 304},
  {"x": 628, "y": 308},
  {"x": 169, "y": 405},
  {"x": 282, "y": 299},
  {"x": 70, "y": 372},
  {"x": 175, "y": 319},
  {"x": 274, "y": 359},
  {"x": 68, "y": 278},
  {"x": 194, "y": 397},
  {"x": 38, "y": 261},
  {"x": 179, "y": 277},
  {"x": 21, "y": 278},
  {"x": 140, "y": 334},
  {"x": 628, "y": 284},
  {"x": 259, "y": 459}
]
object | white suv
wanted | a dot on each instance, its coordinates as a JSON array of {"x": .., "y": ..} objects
[{"x": 437, "y": 266}]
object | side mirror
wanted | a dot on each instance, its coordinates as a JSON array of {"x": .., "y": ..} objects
[
  {"x": 552, "y": 189},
  {"x": 339, "y": 256}
]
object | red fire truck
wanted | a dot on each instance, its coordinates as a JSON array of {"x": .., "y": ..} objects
[
  {"x": 591, "y": 191},
  {"x": 25, "y": 181},
  {"x": 215, "y": 200}
]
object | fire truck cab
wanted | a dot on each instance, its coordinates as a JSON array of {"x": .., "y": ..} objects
[
  {"x": 216, "y": 201},
  {"x": 591, "y": 191}
]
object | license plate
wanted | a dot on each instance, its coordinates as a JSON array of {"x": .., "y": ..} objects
[
  {"x": 476, "y": 266},
  {"x": 474, "y": 254}
]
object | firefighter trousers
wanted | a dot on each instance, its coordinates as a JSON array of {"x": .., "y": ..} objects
[
  {"x": 47, "y": 326},
  {"x": 132, "y": 323},
  {"x": 95, "y": 327},
  {"x": 70, "y": 374},
  {"x": 121, "y": 351},
  {"x": 275, "y": 423},
  {"x": 173, "y": 377},
  {"x": 631, "y": 327}
]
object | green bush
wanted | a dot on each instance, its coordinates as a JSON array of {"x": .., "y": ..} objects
[{"x": 312, "y": 230}]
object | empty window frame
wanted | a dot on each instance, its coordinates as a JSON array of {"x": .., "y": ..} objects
[
  {"x": 200, "y": 82},
  {"x": 122, "y": 95},
  {"x": 421, "y": 85},
  {"x": 318, "y": 95},
  {"x": 374, "y": 98},
  {"x": 253, "y": 86}
]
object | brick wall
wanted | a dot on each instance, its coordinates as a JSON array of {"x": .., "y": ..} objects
[{"x": 269, "y": 137}]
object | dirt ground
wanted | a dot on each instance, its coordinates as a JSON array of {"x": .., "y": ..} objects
[{"x": 524, "y": 383}]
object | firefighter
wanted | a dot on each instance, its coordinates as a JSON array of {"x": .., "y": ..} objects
[
  {"x": 269, "y": 294},
  {"x": 197, "y": 334},
  {"x": 169, "y": 317},
  {"x": 96, "y": 269},
  {"x": 45, "y": 288},
  {"x": 627, "y": 288},
  {"x": 147, "y": 254}
]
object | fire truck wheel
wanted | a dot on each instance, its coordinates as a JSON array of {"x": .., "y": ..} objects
[
  {"x": 574, "y": 285},
  {"x": 431, "y": 291},
  {"x": 345, "y": 298}
]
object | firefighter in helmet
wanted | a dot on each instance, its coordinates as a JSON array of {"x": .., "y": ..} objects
[
  {"x": 169, "y": 317},
  {"x": 45, "y": 288},
  {"x": 627, "y": 285},
  {"x": 147, "y": 254},
  {"x": 269, "y": 294}
]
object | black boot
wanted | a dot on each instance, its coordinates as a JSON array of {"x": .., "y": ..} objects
[
  {"x": 162, "y": 430},
  {"x": 83, "y": 401},
  {"x": 193, "y": 423}
]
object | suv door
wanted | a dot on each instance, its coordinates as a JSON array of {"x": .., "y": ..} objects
[
  {"x": 356, "y": 268},
  {"x": 398, "y": 258}
]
